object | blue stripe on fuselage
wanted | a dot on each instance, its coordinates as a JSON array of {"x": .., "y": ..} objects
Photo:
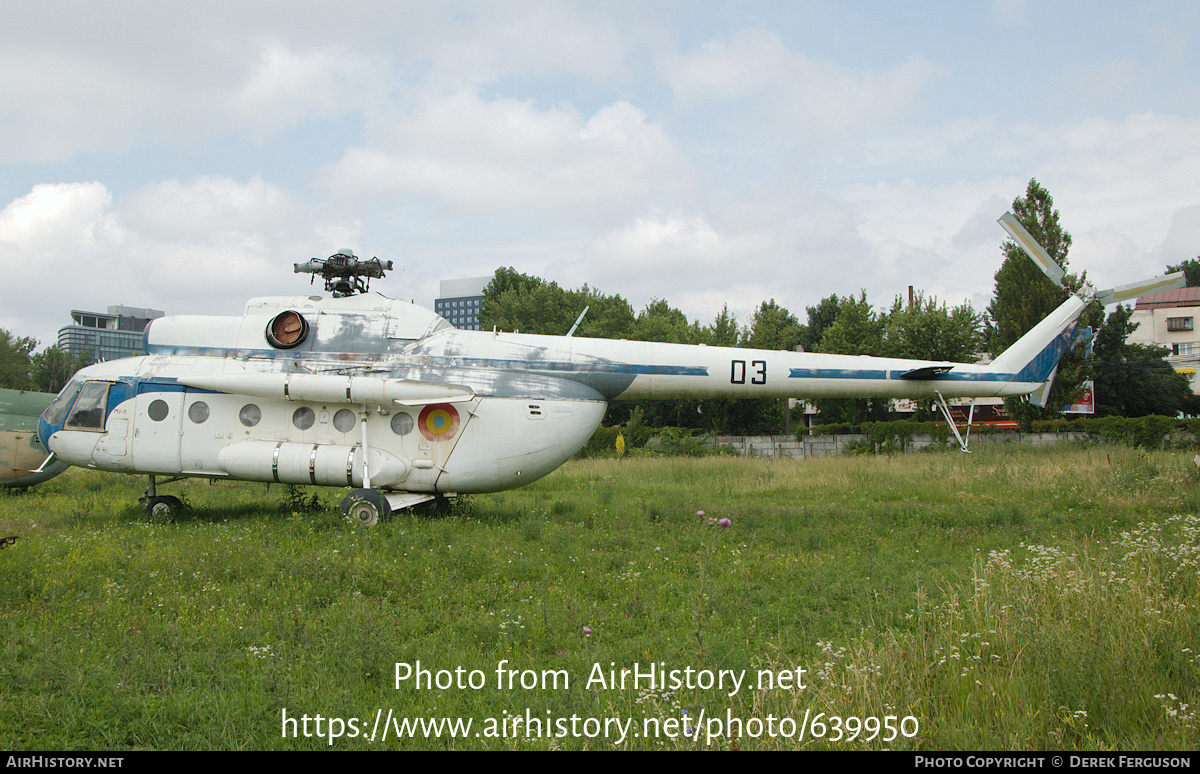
[{"x": 1036, "y": 370}]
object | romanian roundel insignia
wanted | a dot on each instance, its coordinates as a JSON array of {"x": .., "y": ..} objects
[{"x": 438, "y": 422}]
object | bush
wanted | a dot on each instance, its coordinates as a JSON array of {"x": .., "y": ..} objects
[
  {"x": 679, "y": 442},
  {"x": 653, "y": 442}
]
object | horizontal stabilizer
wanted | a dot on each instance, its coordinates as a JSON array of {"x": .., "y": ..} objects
[
  {"x": 401, "y": 500},
  {"x": 928, "y": 372}
]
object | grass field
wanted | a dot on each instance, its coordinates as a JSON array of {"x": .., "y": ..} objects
[{"x": 1014, "y": 598}]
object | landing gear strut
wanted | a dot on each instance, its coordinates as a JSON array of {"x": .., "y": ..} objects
[
  {"x": 945, "y": 407},
  {"x": 164, "y": 507}
]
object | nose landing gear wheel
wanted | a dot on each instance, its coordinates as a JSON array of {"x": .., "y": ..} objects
[{"x": 365, "y": 507}]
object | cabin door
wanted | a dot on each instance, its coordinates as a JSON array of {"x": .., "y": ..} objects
[{"x": 158, "y": 424}]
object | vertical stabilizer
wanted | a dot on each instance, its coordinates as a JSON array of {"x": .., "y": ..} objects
[{"x": 1033, "y": 358}]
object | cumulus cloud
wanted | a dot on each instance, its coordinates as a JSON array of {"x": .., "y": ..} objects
[
  {"x": 1119, "y": 184},
  {"x": 1182, "y": 242},
  {"x": 203, "y": 247},
  {"x": 476, "y": 155},
  {"x": 61, "y": 219},
  {"x": 93, "y": 80},
  {"x": 80, "y": 103},
  {"x": 72, "y": 104},
  {"x": 288, "y": 86},
  {"x": 506, "y": 40},
  {"x": 788, "y": 88},
  {"x": 773, "y": 245}
]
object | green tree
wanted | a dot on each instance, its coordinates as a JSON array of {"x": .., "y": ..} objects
[
  {"x": 1134, "y": 380},
  {"x": 507, "y": 279},
  {"x": 54, "y": 366},
  {"x": 1024, "y": 296},
  {"x": 1190, "y": 269},
  {"x": 515, "y": 301},
  {"x": 15, "y": 361},
  {"x": 820, "y": 317},
  {"x": 535, "y": 308},
  {"x": 608, "y": 317},
  {"x": 857, "y": 330},
  {"x": 772, "y": 327},
  {"x": 719, "y": 415},
  {"x": 925, "y": 330},
  {"x": 659, "y": 321},
  {"x": 723, "y": 332}
]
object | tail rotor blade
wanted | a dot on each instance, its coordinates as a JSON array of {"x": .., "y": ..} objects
[
  {"x": 1055, "y": 272},
  {"x": 1135, "y": 289},
  {"x": 1035, "y": 251}
]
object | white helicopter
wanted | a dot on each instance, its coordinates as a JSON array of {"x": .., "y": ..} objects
[{"x": 389, "y": 399}]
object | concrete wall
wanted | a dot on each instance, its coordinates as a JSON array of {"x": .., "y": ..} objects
[{"x": 822, "y": 445}]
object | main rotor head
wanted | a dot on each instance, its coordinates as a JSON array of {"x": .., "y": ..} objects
[{"x": 344, "y": 273}]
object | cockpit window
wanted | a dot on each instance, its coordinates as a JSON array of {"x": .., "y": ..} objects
[
  {"x": 88, "y": 413},
  {"x": 58, "y": 408}
]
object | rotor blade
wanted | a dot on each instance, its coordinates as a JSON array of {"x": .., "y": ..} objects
[
  {"x": 1135, "y": 289},
  {"x": 1035, "y": 251}
]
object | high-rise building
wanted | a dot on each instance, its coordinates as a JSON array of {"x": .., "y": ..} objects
[
  {"x": 116, "y": 334},
  {"x": 460, "y": 301}
]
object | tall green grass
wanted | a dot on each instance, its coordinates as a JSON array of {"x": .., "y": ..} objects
[{"x": 1009, "y": 599}]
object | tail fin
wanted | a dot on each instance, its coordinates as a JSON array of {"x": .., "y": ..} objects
[{"x": 1033, "y": 359}]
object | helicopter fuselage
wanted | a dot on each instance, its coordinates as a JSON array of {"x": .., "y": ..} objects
[{"x": 364, "y": 391}]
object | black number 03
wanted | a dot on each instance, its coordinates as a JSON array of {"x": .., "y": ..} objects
[{"x": 737, "y": 372}]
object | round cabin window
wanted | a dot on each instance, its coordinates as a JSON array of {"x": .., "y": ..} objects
[
  {"x": 198, "y": 412},
  {"x": 303, "y": 418},
  {"x": 402, "y": 424},
  {"x": 157, "y": 410},
  {"x": 287, "y": 329},
  {"x": 250, "y": 415},
  {"x": 344, "y": 420}
]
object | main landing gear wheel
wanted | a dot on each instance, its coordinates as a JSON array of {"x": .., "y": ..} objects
[
  {"x": 365, "y": 507},
  {"x": 163, "y": 508}
]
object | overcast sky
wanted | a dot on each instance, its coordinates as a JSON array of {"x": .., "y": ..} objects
[{"x": 184, "y": 156}]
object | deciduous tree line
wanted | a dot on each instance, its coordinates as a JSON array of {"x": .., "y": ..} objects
[{"x": 1131, "y": 380}]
